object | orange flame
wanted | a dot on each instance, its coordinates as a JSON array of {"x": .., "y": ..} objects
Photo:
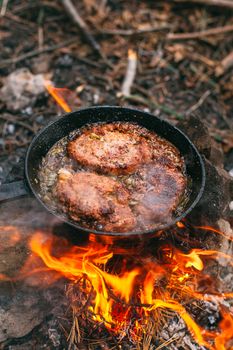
[
  {"x": 226, "y": 335},
  {"x": 209, "y": 228},
  {"x": 135, "y": 286},
  {"x": 139, "y": 285},
  {"x": 57, "y": 94}
]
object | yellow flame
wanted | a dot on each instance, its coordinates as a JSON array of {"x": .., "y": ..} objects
[
  {"x": 133, "y": 289},
  {"x": 56, "y": 93}
]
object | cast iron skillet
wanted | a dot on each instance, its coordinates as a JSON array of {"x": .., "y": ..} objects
[{"x": 47, "y": 137}]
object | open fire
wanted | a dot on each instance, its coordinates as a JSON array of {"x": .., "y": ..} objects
[
  {"x": 127, "y": 290},
  {"x": 131, "y": 289}
]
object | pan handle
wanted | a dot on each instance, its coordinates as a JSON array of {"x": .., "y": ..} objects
[{"x": 13, "y": 190}]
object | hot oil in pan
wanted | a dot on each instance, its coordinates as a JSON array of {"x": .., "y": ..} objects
[{"x": 114, "y": 177}]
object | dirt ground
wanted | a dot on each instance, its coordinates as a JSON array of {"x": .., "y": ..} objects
[{"x": 174, "y": 78}]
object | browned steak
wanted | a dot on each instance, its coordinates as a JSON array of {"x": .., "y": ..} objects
[
  {"x": 92, "y": 197},
  {"x": 157, "y": 193},
  {"x": 116, "y": 148},
  {"x": 115, "y": 177}
]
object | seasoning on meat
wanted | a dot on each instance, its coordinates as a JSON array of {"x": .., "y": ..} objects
[
  {"x": 92, "y": 197},
  {"x": 115, "y": 148},
  {"x": 157, "y": 192},
  {"x": 114, "y": 177}
]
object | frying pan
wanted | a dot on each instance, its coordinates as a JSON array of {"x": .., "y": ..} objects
[{"x": 53, "y": 132}]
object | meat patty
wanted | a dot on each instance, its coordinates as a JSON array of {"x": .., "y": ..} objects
[
  {"x": 115, "y": 148},
  {"x": 147, "y": 195},
  {"x": 157, "y": 193},
  {"x": 96, "y": 199}
]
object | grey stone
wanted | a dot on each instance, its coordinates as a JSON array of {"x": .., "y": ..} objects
[
  {"x": 214, "y": 203},
  {"x": 21, "y": 312},
  {"x": 198, "y": 133},
  {"x": 21, "y": 88}
]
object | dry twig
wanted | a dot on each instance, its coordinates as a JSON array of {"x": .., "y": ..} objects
[
  {"x": 224, "y": 65},
  {"x": 34, "y": 53},
  {"x": 13, "y": 120},
  {"x": 199, "y": 103},
  {"x": 220, "y": 3},
  {"x": 45, "y": 49},
  {"x": 152, "y": 104},
  {"x": 27, "y": 25},
  {"x": 3, "y": 8},
  {"x": 130, "y": 32},
  {"x": 168, "y": 342},
  {"x": 77, "y": 19},
  {"x": 199, "y": 35},
  {"x": 130, "y": 73}
]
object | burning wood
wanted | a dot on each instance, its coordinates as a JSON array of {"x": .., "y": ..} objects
[{"x": 124, "y": 290}]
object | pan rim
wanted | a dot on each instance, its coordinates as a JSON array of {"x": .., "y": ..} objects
[{"x": 130, "y": 233}]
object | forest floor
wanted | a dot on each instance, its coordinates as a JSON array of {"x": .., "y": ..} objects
[{"x": 176, "y": 74}]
